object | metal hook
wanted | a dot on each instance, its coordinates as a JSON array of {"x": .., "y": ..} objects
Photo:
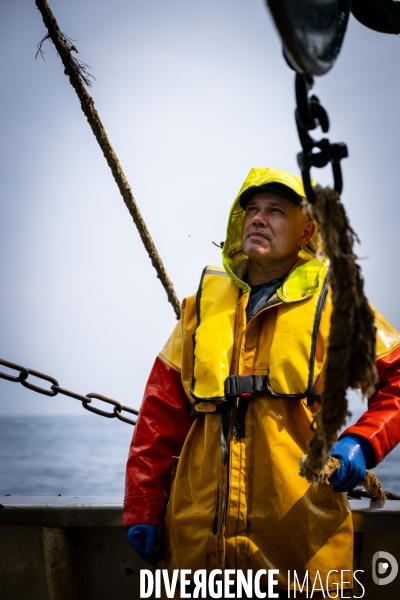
[{"x": 310, "y": 114}]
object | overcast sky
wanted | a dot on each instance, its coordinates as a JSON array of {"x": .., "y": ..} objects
[{"x": 192, "y": 93}]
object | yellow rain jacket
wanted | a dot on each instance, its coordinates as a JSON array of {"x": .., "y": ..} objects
[{"x": 237, "y": 500}]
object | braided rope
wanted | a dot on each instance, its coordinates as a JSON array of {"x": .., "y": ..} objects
[
  {"x": 351, "y": 352},
  {"x": 78, "y": 76}
]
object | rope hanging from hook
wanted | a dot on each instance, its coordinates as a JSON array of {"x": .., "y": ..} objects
[
  {"x": 352, "y": 339},
  {"x": 351, "y": 352}
]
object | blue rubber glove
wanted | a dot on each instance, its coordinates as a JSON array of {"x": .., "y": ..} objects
[
  {"x": 144, "y": 539},
  {"x": 354, "y": 453}
]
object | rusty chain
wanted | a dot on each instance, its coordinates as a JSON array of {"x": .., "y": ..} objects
[{"x": 56, "y": 389}]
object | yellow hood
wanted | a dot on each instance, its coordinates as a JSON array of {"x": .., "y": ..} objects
[{"x": 233, "y": 257}]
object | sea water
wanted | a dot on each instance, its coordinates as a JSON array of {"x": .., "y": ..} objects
[
  {"x": 68, "y": 455},
  {"x": 86, "y": 455}
]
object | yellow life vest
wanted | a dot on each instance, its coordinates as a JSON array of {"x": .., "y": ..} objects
[{"x": 292, "y": 370}]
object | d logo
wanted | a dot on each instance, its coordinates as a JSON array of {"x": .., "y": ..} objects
[{"x": 382, "y": 567}]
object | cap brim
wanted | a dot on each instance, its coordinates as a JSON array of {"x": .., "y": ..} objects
[{"x": 275, "y": 187}]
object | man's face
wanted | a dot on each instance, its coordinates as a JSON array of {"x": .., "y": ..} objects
[{"x": 274, "y": 228}]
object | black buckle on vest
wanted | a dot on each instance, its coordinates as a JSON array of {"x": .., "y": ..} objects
[{"x": 239, "y": 385}]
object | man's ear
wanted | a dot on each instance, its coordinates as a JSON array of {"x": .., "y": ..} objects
[{"x": 308, "y": 232}]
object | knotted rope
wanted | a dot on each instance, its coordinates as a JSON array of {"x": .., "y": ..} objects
[
  {"x": 351, "y": 352},
  {"x": 79, "y": 76}
]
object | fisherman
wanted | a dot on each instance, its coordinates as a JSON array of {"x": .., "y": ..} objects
[{"x": 233, "y": 395}]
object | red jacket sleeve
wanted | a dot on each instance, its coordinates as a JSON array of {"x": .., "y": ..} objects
[
  {"x": 161, "y": 429},
  {"x": 380, "y": 424}
]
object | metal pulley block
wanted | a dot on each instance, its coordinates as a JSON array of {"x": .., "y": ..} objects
[
  {"x": 379, "y": 15},
  {"x": 312, "y": 32}
]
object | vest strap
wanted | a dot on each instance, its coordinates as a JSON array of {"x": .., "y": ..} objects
[{"x": 244, "y": 386}]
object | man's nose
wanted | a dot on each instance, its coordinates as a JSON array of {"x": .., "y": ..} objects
[{"x": 260, "y": 219}]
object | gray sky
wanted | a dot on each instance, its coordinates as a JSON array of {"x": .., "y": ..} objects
[{"x": 192, "y": 94}]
